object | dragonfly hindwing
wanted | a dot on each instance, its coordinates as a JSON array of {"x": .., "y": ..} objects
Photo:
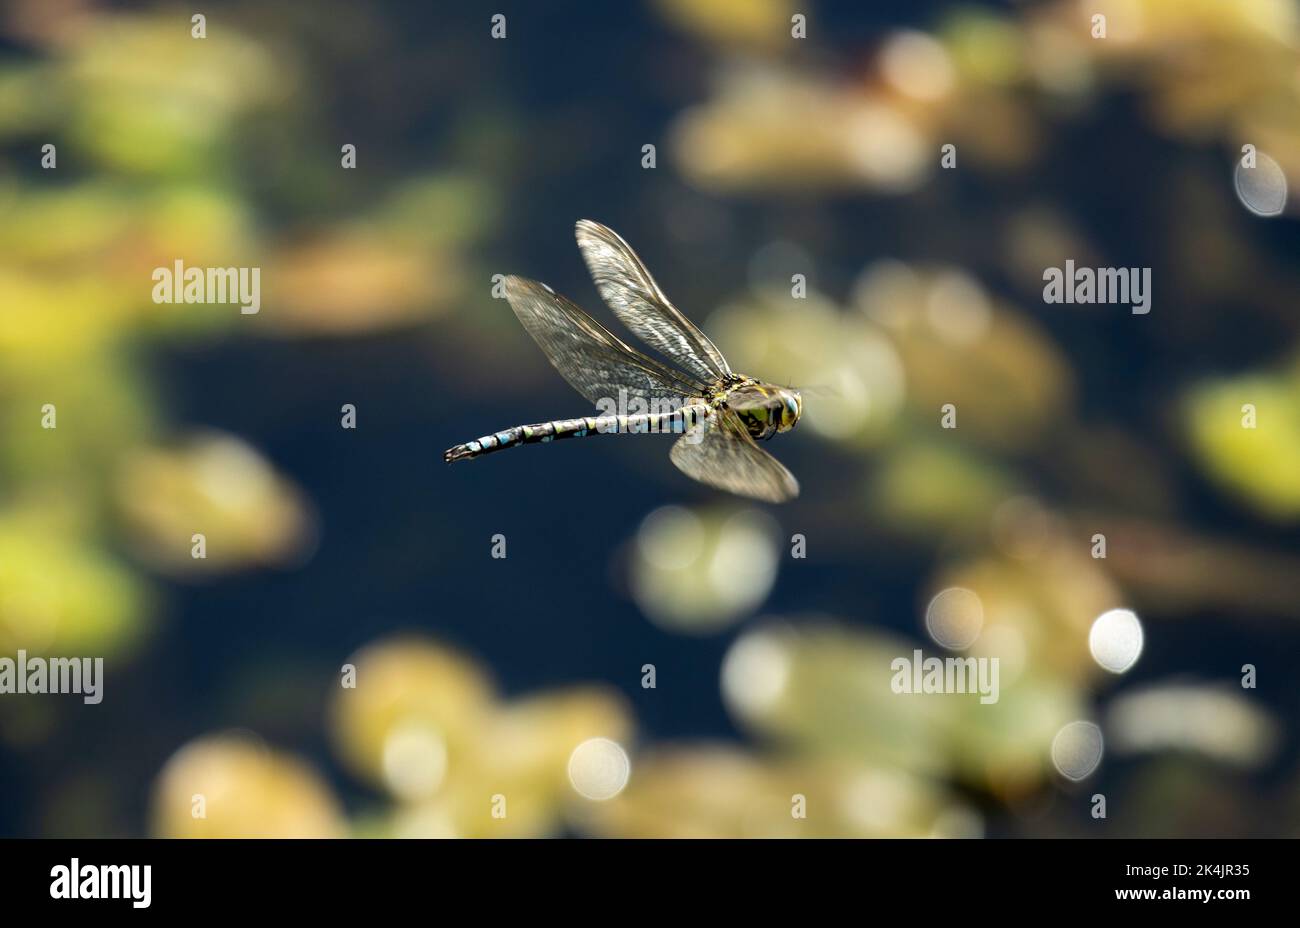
[{"x": 719, "y": 452}]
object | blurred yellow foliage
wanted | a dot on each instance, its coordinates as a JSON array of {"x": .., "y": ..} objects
[
  {"x": 700, "y": 570},
  {"x": 61, "y": 595},
  {"x": 1245, "y": 431},
  {"x": 424, "y": 725},
  {"x": 216, "y": 486},
  {"x": 712, "y": 791},
  {"x": 742, "y": 23},
  {"x": 233, "y": 786}
]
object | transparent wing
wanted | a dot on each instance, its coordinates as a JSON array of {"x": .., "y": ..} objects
[
  {"x": 636, "y": 299},
  {"x": 719, "y": 452},
  {"x": 592, "y": 359}
]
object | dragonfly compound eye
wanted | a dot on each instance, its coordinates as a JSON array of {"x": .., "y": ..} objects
[{"x": 790, "y": 410}]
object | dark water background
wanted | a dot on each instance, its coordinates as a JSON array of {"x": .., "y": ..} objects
[{"x": 404, "y": 539}]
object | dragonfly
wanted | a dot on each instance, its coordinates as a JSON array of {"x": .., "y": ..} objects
[{"x": 720, "y": 415}]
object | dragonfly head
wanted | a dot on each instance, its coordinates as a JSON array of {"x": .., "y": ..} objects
[{"x": 767, "y": 410}]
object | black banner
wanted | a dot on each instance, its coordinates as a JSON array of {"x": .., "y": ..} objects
[{"x": 137, "y": 877}]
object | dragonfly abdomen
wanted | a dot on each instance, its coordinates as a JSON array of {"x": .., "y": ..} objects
[{"x": 675, "y": 422}]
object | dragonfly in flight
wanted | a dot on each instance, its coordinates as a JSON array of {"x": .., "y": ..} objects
[{"x": 719, "y": 414}]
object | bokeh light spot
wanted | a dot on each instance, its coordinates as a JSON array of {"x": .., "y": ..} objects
[
  {"x": 1116, "y": 640},
  {"x": 754, "y": 674},
  {"x": 415, "y": 761},
  {"x": 955, "y": 618},
  {"x": 599, "y": 769},
  {"x": 1261, "y": 189},
  {"x": 917, "y": 65},
  {"x": 671, "y": 538},
  {"x": 1077, "y": 750}
]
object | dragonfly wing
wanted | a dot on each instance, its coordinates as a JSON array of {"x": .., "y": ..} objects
[
  {"x": 636, "y": 299},
  {"x": 595, "y": 361},
  {"x": 720, "y": 452}
]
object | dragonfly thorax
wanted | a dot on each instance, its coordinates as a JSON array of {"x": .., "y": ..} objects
[{"x": 765, "y": 410}]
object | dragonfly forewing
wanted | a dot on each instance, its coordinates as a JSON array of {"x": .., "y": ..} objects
[
  {"x": 595, "y": 362},
  {"x": 626, "y": 285}
]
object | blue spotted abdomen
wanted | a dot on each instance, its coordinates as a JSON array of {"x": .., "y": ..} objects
[{"x": 675, "y": 422}]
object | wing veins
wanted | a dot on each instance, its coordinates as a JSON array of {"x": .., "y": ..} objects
[
  {"x": 627, "y": 286},
  {"x": 721, "y": 453},
  {"x": 593, "y": 360}
]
